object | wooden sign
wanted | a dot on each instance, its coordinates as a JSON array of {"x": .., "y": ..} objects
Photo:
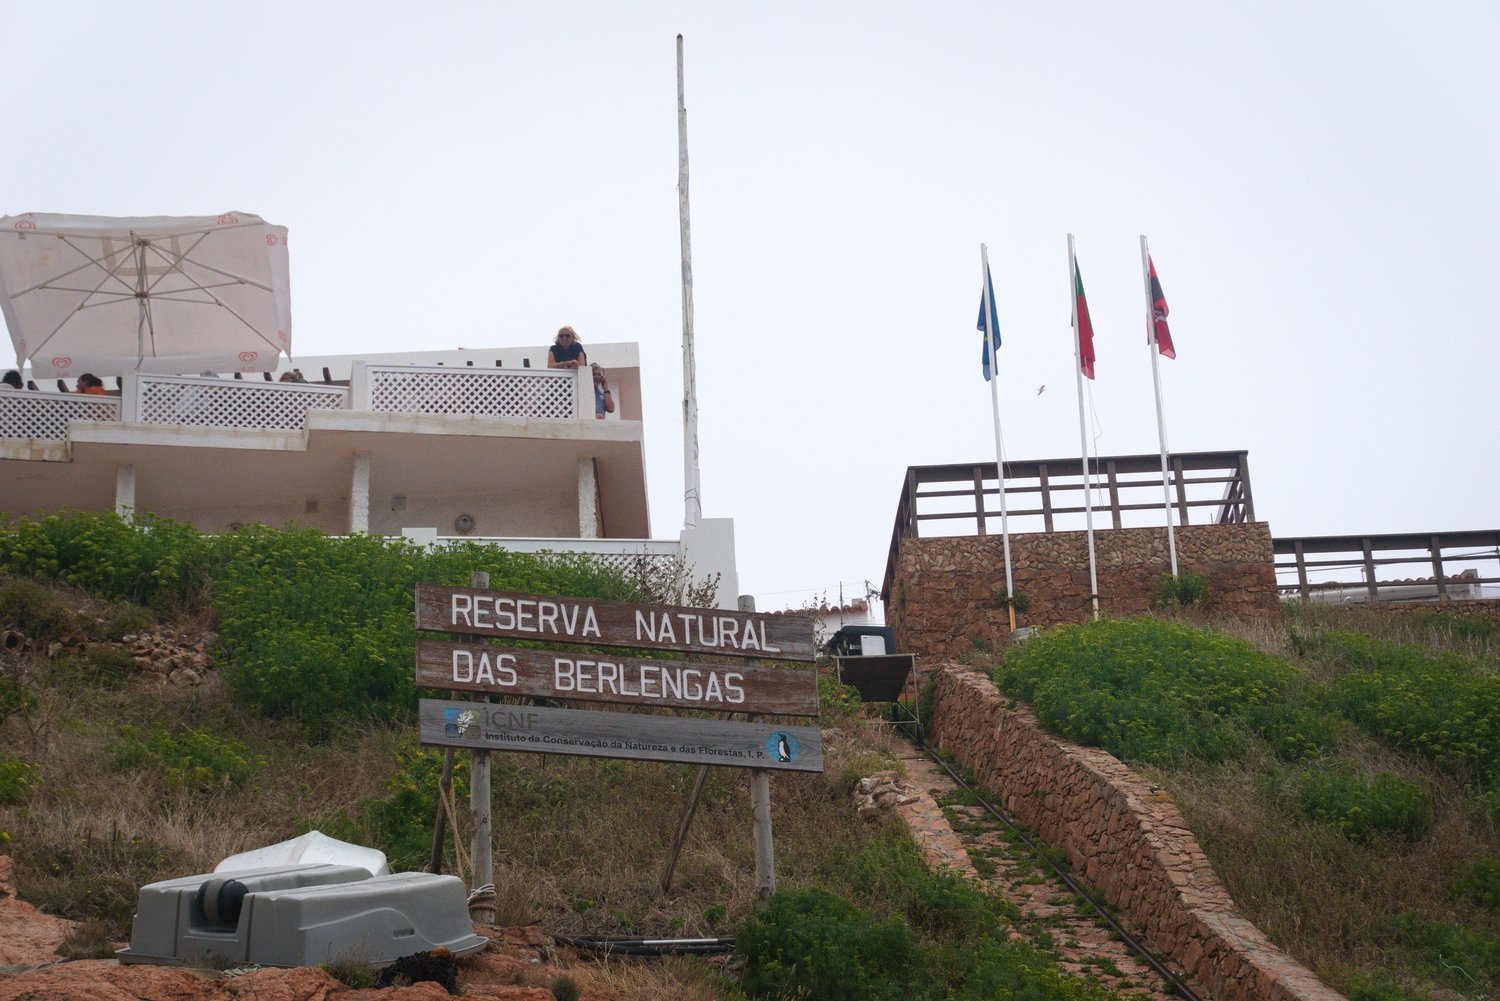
[
  {"x": 592, "y": 677},
  {"x": 640, "y": 737},
  {"x": 613, "y": 623}
]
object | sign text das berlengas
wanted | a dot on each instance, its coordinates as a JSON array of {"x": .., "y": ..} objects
[
  {"x": 592, "y": 677},
  {"x": 613, "y": 623}
]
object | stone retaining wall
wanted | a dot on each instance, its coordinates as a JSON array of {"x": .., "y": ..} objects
[
  {"x": 947, "y": 593},
  {"x": 1120, "y": 833}
]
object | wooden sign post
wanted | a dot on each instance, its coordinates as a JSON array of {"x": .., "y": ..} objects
[{"x": 631, "y": 680}]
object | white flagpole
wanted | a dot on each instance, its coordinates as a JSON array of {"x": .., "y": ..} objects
[
  {"x": 692, "y": 502},
  {"x": 991, "y": 336},
  {"x": 1083, "y": 438},
  {"x": 1161, "y": 426}
]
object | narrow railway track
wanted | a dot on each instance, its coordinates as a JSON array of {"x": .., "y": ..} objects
[{"x": 1172, "y": 982}]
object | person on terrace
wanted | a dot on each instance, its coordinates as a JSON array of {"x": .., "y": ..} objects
[
  {"x": 91, "y": 384},
  {"x": 566, "y": 351},
  {"x": 604, "y": 401},
  {"x": 13, "y": 379}
]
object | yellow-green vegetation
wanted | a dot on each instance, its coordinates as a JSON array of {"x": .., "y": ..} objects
[
  {"x": 109, "y": 781},
  {"x": 1341, "y": 773}
]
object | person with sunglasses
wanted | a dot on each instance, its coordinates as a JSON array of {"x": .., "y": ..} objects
[{"x": 566, "y": 351}]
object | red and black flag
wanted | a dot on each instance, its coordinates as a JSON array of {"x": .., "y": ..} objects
[{"x": 1159, "y": 313}]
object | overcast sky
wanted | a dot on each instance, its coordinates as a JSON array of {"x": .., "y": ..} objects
[{"x": 1318, "y": 182}]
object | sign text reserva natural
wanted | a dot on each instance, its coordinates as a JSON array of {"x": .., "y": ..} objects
[
  {"x": 780, "y": 691},
  {"x": 612, "y": 623}
]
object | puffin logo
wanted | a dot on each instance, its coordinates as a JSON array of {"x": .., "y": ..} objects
[{"x": 783, "y": 746}]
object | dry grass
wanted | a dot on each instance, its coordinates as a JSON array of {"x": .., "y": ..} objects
[{"x": 676, "y": 977}]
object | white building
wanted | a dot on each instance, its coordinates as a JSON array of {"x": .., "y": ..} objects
[{"x": 488, "y": 444}]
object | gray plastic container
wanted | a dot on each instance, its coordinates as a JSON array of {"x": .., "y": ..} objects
[{"x": 299, "y": 915}]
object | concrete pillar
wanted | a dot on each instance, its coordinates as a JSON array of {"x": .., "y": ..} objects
[
  {"x": 125, "y": 490},
  {"x": 359, "y": 494},
  {"x": 708, "y": 549},
  {"x": 588, "y": 500}
]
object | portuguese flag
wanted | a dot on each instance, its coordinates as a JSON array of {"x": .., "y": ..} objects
[
  {"x": 1159, "y": 313},
  {"x": 1084, "y": 325}
]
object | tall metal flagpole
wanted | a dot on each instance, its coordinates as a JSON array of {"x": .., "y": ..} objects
[
  {"x": 991, "y": 338},
  {"x": 691, "y": 499},
  {"x": 1161, "y": 426},
  {"x": 1083, "y": 438}
]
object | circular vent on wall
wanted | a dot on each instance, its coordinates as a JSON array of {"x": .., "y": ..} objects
[{"x": 464, "y": 524}]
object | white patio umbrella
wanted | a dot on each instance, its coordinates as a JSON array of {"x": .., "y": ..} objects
[{"x": 157, "y": 294}]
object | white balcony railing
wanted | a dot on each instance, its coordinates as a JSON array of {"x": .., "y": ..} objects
[
  {"x": 549, "y": 394},
  {"x": 538, "y": 394},
  {"x": 227, "y": 403},
  {"x": 45, "y": 416}
]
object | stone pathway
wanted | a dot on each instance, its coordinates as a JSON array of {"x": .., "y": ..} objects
[{"x": 966, "y": 839}]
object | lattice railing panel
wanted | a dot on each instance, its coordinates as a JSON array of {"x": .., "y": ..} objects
[
  {"x": 232, "y": 404},
  {"x": 45, "y": 416},
  {"x": 548, "y": 395}
]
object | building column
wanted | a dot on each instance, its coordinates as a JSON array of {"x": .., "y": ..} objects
[
  {"x": 359, "y": 494},
  {"x": 588, "y": 499},
  {"x": 125, "y": 490}
]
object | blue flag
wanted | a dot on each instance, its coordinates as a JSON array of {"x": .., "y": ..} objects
[{"x": 988, "y": 323}]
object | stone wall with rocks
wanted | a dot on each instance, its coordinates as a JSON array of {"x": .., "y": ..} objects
[
  {"x": 1487, "y": 607},
  {"x": 949, "y": 592},
  {"x": 1120, "y": 833}
]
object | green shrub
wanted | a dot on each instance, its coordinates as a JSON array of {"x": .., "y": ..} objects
[
  {"x": 36, "y": 612},
  {"x": 16, "y": 697},
  {"x": 1443, "y": 706},
  {"x": 1478, "y": 880},
  {"x": 147, "y": 559},
  {"x": 400, "y": 822},
  {"x": 1182, "y": 591},
  {"x": 313, "y": 626},
  {"x": 814, "y": 944},
  {"x": 981, "y": 970},
  {"x": 836, "y": 700},
  {"x": 1378, "y": 985},
  {"x": 17, "y": 779},
  {"x": 1448, "y": 954},
  {"x": 354, "y": 972},
  {"x": 937, "y": 904},
  {"x": 122, "y": 619},
  {"x": 190, "y": 759},
  {"x": 1363, "y": 807},
  {"x": 97, "y": 665},
  {"x": 1147, "y": 689},
  {"x": 1299, "y": 729}
]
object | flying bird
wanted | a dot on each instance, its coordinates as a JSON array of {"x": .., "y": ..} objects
[{"x": 1041, "y": 389}]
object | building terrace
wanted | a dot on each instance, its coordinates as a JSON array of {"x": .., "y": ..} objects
[{"x": 456, "y": 441}]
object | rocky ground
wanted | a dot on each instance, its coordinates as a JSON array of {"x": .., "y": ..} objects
[{"x": 519, "y": 965}]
